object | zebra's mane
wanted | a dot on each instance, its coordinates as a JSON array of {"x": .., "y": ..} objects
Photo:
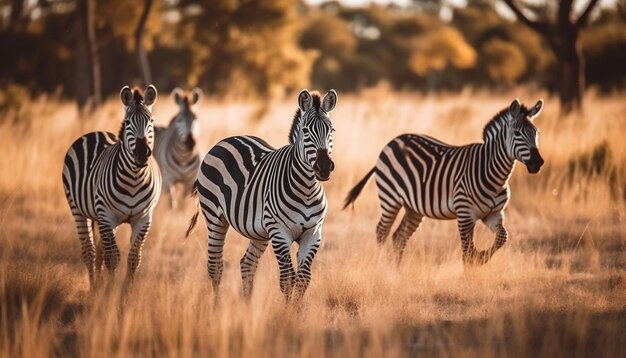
[
  {"x": 138, "y": 98},
  {"x": 295, "y": 124},
  {"x": 498, "y": 120}
]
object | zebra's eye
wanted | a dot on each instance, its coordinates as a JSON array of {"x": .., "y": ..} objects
[{"x": 517, "y": 133}]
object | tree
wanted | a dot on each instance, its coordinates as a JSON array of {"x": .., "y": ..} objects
[
  {"x": 562, "y": 36},
  {"x": 88, "y": 82},
  {"x": 142, "y": 57}
]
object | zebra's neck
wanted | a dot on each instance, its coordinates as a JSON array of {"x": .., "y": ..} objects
[
  {"x": 301, "y": 175},
  {"x": 181, "y": 152},
  {"x": 498, "y": 161}
]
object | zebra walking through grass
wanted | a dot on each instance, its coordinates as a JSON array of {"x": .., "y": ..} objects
[
  {"x": 469, "y": 183},
  {"x": 175, "y": 147},
  {"x": 269, "y": 194},
  {"x": 113, "y": 180}
]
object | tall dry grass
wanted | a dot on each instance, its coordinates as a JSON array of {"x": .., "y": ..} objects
[{"x": 557, "y": 287}]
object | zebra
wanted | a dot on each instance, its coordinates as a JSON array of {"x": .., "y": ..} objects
[
  {"x": 175, "y": 147},
  {"x": 468, "y": 183},
  {"x": 269, "y": 194},
  {"x": 112, "y": 180}
]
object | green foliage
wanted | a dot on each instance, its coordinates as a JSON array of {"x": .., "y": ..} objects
[
  {"x": 267, "y": 47},
  {"x": 441, "y": 48},
  {"x": 503, "y": 61}
]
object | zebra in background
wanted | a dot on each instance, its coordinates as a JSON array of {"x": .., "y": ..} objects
[
  {"x": 468, "y": 183},
  {"x": 175, "y": 146},
  {"x": 270, "y": 194},
  {"x": 113, "y": 180}
]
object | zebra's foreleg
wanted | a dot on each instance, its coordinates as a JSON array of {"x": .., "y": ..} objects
[
  {"x": 466, "y": 229},
  {"x": 140, "y": 229},
  {"x": 109, "y": 246},
  {"x": 88, "y": 250},
  {"x": 495, "y": 223},
  {"x": 281, "y": 247},
  {"x": 308, "y": 244},
  {"x": 249, "y": 263},
  {"x": 410, "y": 222}
]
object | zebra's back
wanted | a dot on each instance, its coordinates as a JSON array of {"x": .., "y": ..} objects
[
  {"x": 79, "y": 167},
  {"x": 227, "y": 181},
  {"x": 422, "y": 173}
]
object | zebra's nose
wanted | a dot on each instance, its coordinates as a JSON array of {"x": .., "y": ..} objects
[
  {"x": 142, "y": 150},
  {"x": 323, "y": 165},
  {"x": 535, "y": 162}
]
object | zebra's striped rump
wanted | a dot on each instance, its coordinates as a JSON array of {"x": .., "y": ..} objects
[
  {"x": 429, "y": 178},
  {"x": 112, "y": 180},
  {"x": 270, "y": 195}
]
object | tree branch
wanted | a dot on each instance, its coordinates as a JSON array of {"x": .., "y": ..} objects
[
  {"x": 538, "y": 26},
  {"x": 584, "y": 17}
]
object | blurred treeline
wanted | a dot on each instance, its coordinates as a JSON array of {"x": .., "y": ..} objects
[{"x": 267, "y": 47}]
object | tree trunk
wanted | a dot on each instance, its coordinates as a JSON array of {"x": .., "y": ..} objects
[
  {"x": 142, "y": 57},
  {"x": 15, "y": 18},
  {"x": 572, "y": 75},
  {"x": 88, "y": 81}
]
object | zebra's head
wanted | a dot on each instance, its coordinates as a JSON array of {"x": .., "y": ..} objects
[
  {"x": 523, "y": 136},
  {"x": 312, "y": 129},
  {"x": 186, "y": 122},
  {"x": 137, "y": 131}
]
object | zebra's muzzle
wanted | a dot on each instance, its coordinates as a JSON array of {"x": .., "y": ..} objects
[
  {"x": 142, "y": 151},
  {"x": 535, "y": 162},
  {"x": 323, "y": 165},
  {"x": 190, "y": 142}
]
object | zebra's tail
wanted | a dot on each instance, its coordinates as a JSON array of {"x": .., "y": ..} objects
[
  {"x": 194, "y": 219},
  {"x": 354, "y": 193}
]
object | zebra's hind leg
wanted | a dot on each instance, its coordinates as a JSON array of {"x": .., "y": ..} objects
[
  {"x": 140, "y": 230},
  {"x": 217, "y": 227},
  {"x": 249, "y": 263},
  {"x": 410, "y": 222},
  {"x": 389, "y": 213},
  {"x": 88, "y": 250}
]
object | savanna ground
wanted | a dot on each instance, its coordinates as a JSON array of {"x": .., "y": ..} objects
[{"x": 558, "y": 287}]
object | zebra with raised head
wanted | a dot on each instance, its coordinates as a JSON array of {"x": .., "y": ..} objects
[
  {"x": 269, "y": 194},
  {"x": 175, "y": 146},
  {"x": 469, "y": 183},
  {"x": 113, "y": 180}
]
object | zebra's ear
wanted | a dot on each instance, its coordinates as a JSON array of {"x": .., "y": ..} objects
[
  {"x": 534, "y": 112},
  {"x": 178, "y": 95},
  {"x": 126, "y": 95},
  {"x": 150, "y": 95},
  {"x": 196, "y": 94},
  {"x": 305, "y": 101},
  {"x": 330, "y": 101},
  {"x": 515, "y": 107}
]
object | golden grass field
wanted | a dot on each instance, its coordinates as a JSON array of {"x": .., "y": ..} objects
[{"x": 557, "y": 288}]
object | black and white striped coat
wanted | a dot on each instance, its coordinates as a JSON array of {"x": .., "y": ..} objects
[
  {"x": 111, "y": 180},
  {"x": 175, "y": 147},
  {"x": 469, "y": 183},
  {"x": 269, "y": 194}
]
